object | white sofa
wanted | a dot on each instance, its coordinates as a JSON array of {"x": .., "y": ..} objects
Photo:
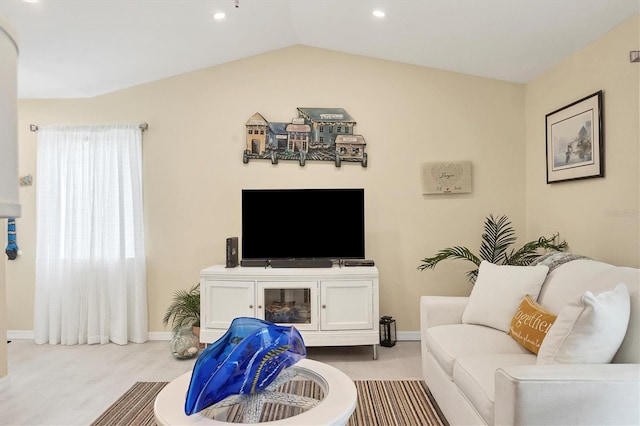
[{"x": 480, "y": 375}]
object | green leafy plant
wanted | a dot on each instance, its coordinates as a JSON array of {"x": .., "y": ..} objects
[
  {"x": 184, "y": 309},
  {"x": 497, "y": 237}
]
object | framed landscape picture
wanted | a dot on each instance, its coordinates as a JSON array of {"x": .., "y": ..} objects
[{"x": 575, "y": 143}]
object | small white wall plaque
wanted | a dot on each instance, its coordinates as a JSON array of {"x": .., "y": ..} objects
[{"x": 446, "y": 177}]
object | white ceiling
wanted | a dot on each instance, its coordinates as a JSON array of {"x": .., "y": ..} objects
[{"x": 79, "y": 48}]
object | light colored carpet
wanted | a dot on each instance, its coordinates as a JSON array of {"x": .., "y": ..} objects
[{"x": 380, "y": 403}]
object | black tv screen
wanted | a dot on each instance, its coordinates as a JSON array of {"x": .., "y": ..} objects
[{"x": 303, "y": 224}]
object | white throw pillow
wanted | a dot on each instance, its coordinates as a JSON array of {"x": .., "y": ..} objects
[
  {"x": 589, "y": 329},
  {"x": 499, "y": 290}
]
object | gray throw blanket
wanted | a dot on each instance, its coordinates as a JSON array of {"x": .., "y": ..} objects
[{"x": 556, "y": 258}]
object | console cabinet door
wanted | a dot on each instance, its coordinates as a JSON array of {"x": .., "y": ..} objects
[
  {"x": 289, "y": 303},
  {"x": 226, "y": 300},
  {"x": 346, "y": 305}
]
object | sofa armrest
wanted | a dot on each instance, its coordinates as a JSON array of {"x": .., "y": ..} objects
[
  {"x": 440, "y": 310},
  {"x": 603, "y": 394}
]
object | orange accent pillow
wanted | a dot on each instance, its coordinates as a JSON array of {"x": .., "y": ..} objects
[{"x": 530, "y": 324}]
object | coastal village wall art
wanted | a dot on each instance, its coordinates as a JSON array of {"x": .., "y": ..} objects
[{"x": 316, "y": 134}]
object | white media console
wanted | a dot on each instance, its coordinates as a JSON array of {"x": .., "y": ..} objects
[{"x": 335, "y": 306}]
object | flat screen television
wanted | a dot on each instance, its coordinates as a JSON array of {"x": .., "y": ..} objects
[{"x": 303, "y": 224}]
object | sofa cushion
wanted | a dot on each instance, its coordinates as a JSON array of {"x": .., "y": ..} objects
[
  {"x": 475, "y": 377},
  {"x": 574, "y": 278},
  {"x": 589, "y": 329},
  {"x": 451, "y": 341},
  {"x": 498, "y": 291},
  {"x": 530, "y": 324}
]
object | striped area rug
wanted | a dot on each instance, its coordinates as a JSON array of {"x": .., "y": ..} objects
[{"x": 380, "y": 403}]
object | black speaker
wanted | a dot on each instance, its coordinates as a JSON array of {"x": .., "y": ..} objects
[
  {"x": 232, "y": 252},
  {"x": 254, "y": 263},
  {"x": 301, "y": 263}
]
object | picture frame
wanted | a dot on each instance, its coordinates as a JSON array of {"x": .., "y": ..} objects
[
  {"x": 575, "y": 140},
  {"x": 446, "y": 177}
]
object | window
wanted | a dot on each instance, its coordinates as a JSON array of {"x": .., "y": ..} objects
[{"x": 90, "y": 235}]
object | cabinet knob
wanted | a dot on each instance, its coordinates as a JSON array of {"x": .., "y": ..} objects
[
  {"x": 324, "y": 306},
  {"x": 250, "y": 306},
  {"x": 259, "y": 306}
]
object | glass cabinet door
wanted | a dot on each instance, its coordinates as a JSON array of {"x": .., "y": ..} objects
[{"x": 291, "y": 303}]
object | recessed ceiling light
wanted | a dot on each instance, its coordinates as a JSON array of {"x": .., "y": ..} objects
[
  {"x": 219, "y": 16},
  {"x": 379, "y": 13},
  {"x": 31, "y": 1}
]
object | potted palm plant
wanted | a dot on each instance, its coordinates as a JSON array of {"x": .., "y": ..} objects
[
  {"x": 184, "y": 315},
  {"x": 497, "y": 237},
  {"x": 184, "y": 309}
]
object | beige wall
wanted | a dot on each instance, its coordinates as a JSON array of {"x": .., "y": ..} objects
[
  {"x": 193, "y": 170},
  {"x": 598, "y": 217}
]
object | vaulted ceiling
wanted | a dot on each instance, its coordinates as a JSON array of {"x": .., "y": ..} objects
[{"x": 80, "y": 48}]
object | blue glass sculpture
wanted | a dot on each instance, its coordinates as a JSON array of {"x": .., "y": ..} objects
[{"x": 245, "y": 360}]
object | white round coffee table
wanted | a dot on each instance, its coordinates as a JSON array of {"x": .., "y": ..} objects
[{"x": 339, "y": 401}]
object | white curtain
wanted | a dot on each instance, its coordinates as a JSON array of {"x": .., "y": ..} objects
[{"x": 90, "y": 256}]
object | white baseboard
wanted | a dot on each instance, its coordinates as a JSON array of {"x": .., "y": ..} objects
[
  {"x": 20, "y": 335},
  {"x": 30, "y": 335},
  {"x": 408, "y": 336},
  {"x": 160, "y": 335},
  {"x": 166, "y": 335},
  {"x": 402, "y": 336}
]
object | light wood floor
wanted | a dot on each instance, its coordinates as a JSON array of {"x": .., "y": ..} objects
[{"x": 72, "y": 385}]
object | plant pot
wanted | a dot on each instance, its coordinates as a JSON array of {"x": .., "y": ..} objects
[{"x": 184, "y": 344}]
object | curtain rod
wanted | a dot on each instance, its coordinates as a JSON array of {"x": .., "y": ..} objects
[{"x": 143, "y": 126}]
